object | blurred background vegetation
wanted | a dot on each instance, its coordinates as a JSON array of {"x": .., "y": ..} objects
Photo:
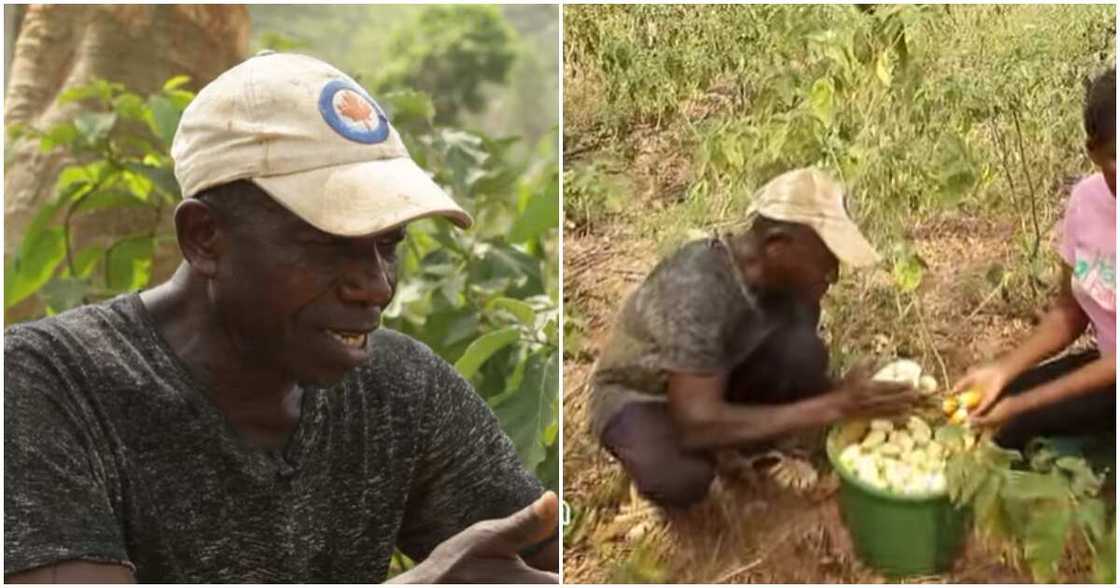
[
  {"x": 89, "y": 184},
  {"x": 958, "y": 133}
]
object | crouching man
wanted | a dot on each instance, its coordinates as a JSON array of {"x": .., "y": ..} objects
[{"x": 718, "y": 347}]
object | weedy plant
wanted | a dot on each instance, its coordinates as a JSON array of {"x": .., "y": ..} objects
[{"x": 1036, "y": 505}]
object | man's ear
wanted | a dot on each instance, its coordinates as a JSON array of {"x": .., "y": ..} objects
[{"x": 199, "y": 235}]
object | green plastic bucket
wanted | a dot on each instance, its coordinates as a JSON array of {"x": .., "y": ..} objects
[{"x": 898, "y": 535}]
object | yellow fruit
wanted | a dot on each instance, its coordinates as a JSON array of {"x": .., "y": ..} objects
[
  {"x": 960, "y": 417},
  {"x": 949, "y": 405},
  {"x": 970, "y": 398}
]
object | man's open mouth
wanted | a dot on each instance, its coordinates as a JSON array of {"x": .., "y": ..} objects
[{"x": 353, "y": 339}]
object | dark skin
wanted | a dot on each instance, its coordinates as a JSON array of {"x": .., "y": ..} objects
[
  {"x": 251, "y": 311},
  {"x": 791, "y": 259}
]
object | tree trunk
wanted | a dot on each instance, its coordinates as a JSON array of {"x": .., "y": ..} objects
[{"x": 140, "y": 46}]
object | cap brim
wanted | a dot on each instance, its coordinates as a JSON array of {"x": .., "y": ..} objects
[
  {"x": 847, "y": 243},
  {"x": 363, "y": 198}
]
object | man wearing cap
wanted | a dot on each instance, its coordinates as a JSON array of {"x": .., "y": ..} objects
[
  {"x": 247, "y": 420},
  {"x": 718, "y": 347}
]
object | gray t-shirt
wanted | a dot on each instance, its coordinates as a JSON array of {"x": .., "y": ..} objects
[
  {"x": 693, "y": 314},
  {"x": 114, "y": 453}
]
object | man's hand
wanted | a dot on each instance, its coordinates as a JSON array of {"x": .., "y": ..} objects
[
  {"x": 487, "y": 551},
  {"x": 988, "y": 379},
  {"x": 859, "y": 396}
]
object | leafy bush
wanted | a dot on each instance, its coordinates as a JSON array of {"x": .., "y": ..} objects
[
  {"x": 449, "y": 52},
  {"x": 120, "y": 145},
  {"x": 1039, "y": 504}
]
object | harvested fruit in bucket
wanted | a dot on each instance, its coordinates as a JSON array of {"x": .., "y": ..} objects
[
  {"x": 893, "y": 494},
  {"x": 901, "y": 460},
  {"x": 903, "y": 456}
]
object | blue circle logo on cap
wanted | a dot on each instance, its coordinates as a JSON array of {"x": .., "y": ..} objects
[{"x": 352, "y": 113}]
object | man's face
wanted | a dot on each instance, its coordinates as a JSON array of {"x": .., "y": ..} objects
[
  {"x": 803, "y": 264},
  {"x": 302, "y": 301},
  {"x": 1105, "y": 158}
]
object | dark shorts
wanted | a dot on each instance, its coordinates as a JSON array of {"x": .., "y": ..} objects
[
  {"x": 1093, "y": 414},
  {"x": 790, "y": 366}
]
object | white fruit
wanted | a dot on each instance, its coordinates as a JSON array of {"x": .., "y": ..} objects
[
  {"x": 850, "y": 455},
  {"x": 882, "y": 425},
  {"x": 903, "y": 440},
  {"x": 919, "y": 430},
  {"x": 927, "y": 384},
  {"x": 874, "y": 439},
  {"x": 903, "y": 371},
  {"x": 937, "y": 482}
]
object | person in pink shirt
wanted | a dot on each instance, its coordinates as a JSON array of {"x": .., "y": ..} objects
[{"x": 1074, "y": 394}]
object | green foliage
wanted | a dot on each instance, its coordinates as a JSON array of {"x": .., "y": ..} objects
[
  {"x": 644, "y": 565},
  {"x": 486, "y": 298},
  {"x": 119, "y": 144},
  {"x": 1040, "y": 510},
  {"x": 919, "y": 109},
  {"x": 592, "y": 194},
  {"x": 449, "y": 52}
]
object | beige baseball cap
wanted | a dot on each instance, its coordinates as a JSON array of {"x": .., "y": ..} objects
[
  {"x": 811, "y": 197},
  {"x": 313, "y": 139}
]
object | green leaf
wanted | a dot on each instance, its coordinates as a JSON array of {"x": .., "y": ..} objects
[
  {"x": 548, "y": 472},
  {"x": 482, "y": 348},
  {"x": 129, "y": 106},
  {"x": 821, "y": 100},
  {"x": 1045, "y": 540},
  {"x": 139, "y": 185},
  {"x": 64, "y": 134},
  {"x": 410, "y": 110},
  {"x": 541, "y": 215},
  {"x": 1092, "y": 515},
  {"x": 175, "y": 82},
  {"x": 907, "y": 273},
  {"x": 527, "y": 411},
  {"x": 94, "y": 126},
  {"x": 1084, "y": 482},
  {"x": 35, "y": 262},
  {"x": 180, "y": 99},
  {"x": 520, "y": 310},
  {"x": 1104, "y": 561},
  {"x": 1031, "y": 486},
  {"x": 103, "y": 199},
  {"x": 70, "y": 175},
  {"x": 130, "y": 263},
  {"x": 162, "y": 178},
  {"x": 78, "y": 93},
  {"x": 64, "y": 293},
  {"x": 164, "y": 118},
  {"x": 988, "y": 508},
  {"x": 85, "y": 261}
]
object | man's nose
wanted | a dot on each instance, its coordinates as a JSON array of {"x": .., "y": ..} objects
[{"x": 367, "y": 280}]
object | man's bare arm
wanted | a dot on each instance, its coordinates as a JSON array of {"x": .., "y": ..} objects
[
  {"x": 705, "y": 420},
  {"x": 74, "y": 572}
]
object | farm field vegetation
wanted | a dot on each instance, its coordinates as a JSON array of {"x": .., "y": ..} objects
[{"x": 958, "y": 133}]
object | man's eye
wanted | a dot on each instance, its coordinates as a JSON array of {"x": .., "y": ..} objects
[{"x": 390, "y": 241}]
